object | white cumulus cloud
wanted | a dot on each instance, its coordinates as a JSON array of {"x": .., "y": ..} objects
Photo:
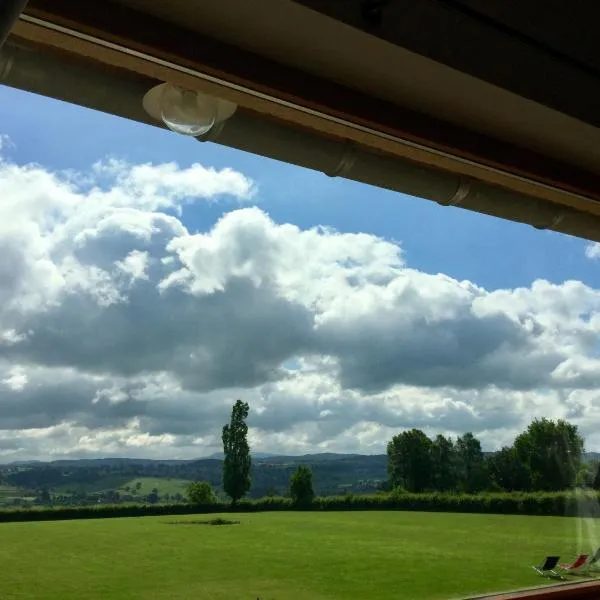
[
  {"x": 122, "y": 333},
  {"x": 592, "y": 250}
]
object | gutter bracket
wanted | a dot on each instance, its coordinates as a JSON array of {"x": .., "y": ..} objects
[
  {"x": 556, "y": 220},
  {"x": 346, "y": 162},
  {"x": 462, "y": 191}
]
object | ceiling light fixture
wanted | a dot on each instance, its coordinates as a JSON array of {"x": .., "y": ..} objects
[{"x": 184, "y": 111}]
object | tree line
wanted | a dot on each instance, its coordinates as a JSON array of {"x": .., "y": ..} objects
[
  {"x": 531, "y": 476},
  {"x": 547, "y": 456}
]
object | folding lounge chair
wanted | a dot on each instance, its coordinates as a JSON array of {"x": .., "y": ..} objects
[
  {"x": 548, "y": 567},
  {"x": 594, "y": 563},
  {"x": 576, "y": 566}
]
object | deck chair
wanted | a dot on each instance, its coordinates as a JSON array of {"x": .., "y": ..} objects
[
  {"x": 594, "y": 563},
  {"x": 548, "y": 568},
  {"x": 576, "y": 565}
]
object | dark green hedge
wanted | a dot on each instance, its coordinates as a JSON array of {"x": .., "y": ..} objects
[
  {"x": 106, "y": 511},
  {"x": 557, "y": 504}
]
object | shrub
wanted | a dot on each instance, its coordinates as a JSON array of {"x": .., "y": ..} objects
[
  {"x": 217, "y": 521},
  {"x": 301, "y": 487},
  {"x": 201, "y": 492}
]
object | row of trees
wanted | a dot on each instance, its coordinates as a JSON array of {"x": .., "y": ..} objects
[
  {"x": 417, "y": 464},
  {"x": 547, "y": 456}
]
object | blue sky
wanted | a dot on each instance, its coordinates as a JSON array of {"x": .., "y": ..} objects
[{"x": 490, "y": 252}]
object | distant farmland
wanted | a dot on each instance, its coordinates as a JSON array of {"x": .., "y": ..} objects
[
  {"x": 101, "y": 479},
  {"x": 163, "y": 485},
  {"x": 283, "y": 556},
  {"x": 8, "y": 493}
]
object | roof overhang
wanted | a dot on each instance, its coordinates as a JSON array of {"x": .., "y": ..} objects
[{"x": 431, "y": 82}]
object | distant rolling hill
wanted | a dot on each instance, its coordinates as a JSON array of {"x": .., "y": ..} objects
[
  {"x": 255, "y": 455},
  {"x": 332, "y": 473}
]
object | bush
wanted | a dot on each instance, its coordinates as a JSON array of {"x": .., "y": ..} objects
[
  {"x": 301, "y": 487},
  {"x": 217, "y": 521},
  {"x": 200, "y": 493}
]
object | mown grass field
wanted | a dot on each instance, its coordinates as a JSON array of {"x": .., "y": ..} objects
[
  {"x": 110, "y": 482},
  {"x": 164, "y": 485},
  {"x": 120, "y": 482},
  {"x": 282, "y": 556}
]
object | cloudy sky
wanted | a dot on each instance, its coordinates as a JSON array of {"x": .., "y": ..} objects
[{"x": 148, "y": 280}]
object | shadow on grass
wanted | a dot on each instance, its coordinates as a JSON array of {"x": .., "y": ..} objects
[{"x": 218, "y": 521}]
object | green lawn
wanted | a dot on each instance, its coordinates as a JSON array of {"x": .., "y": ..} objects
[{"x": 281, "y": 556}]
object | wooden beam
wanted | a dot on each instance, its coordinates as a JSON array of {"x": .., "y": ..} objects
[
  {"x": 589, "y": 590},
  {"x": 145, "y": 34}
]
